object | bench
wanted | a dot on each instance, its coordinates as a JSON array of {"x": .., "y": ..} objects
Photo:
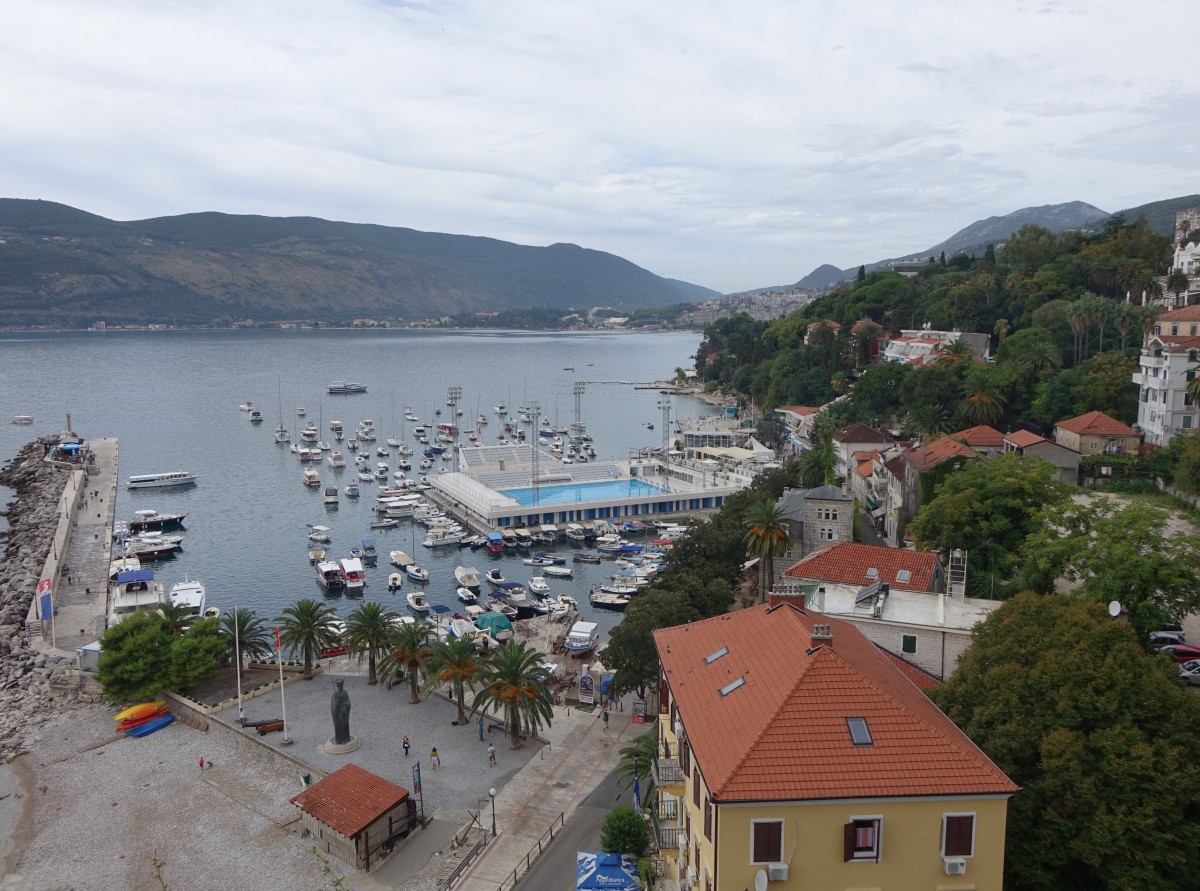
[
  {"x": 269, "y": 728},
  {"x": 496, "y": 725}
]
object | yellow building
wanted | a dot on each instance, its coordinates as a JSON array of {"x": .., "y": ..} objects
[{"x": 791, "y": 746}]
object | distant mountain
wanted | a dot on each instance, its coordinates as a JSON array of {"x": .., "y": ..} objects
[
  {"x": 60, "y": 266},
  {"x": 1161, "y": 214},
  {"x": 824, "y": 276},
  {"x": 1056, "y": 217}
]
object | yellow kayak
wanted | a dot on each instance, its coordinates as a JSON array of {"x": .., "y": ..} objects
[{"x": 141, "y": 711}]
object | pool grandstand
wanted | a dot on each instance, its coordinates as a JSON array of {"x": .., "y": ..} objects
[{"x": 500, "y": 486}]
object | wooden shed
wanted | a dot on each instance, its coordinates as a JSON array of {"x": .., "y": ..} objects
[{"x": 352, "y": 813}]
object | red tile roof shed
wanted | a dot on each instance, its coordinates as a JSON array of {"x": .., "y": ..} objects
[
  {"x": 847, "y": 563},
  {"x": 350, "y": 799}
]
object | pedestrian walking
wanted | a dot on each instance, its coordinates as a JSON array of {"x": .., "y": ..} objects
[
  {"x": 202, "y": 764},
  {"x": 491, "y": 754},
  {"x": 604, "y": 715},
  {"x": 481, "y": 729},
  {"x": 242, "y": 716},
  {"x": 434, "y": 759},
  {"x": 406, "y": 745}
]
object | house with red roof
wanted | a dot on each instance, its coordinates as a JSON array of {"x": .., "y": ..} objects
[
  {"x": 925, "y": 467},
  {"x": 855, "y": 438},
  {"x": 793, "y": 753},
  {"x": 352, "y": 813},
  {"x": 1023, "y": 442},
  {"x": 1097, "y": 434},
  {"x": 984, "y": 438},
  {"x": 898, "y": 598},
  {"x": 1168, "y": 364}
]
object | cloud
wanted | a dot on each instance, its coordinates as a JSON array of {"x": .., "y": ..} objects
[{"x": 729, "y": 146}]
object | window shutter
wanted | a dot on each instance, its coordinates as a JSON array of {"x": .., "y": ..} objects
[
  {"x": 696, "y": 786},
  {"x": 958, "y": 836},
  {"x": 768, "y": 842},
  {"x": 708, "y": 818},
  {"x": 848, "y": 836}
]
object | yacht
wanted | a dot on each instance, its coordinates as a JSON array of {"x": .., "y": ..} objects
[
  {"x": 133, "y": 590},
  {"x": 166, "y": 480},
  {"x": 352, "y": 574},
  {"x": 345, "y": 388},
  {"x": 312, "y": 479},
  {"x": 329, "y": 576},
  {"x": 189, "y": 594},
  {"x": 337, "y": 460}
]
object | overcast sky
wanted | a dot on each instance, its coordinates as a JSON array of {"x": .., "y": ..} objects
[{"x": 734, "y": 145}]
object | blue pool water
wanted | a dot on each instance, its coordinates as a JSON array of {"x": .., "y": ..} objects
[{"x": 572, "y": 493}]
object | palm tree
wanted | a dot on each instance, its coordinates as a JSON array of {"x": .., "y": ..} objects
[
  {"x": 307, "y": 626},
  {"x": 252, "y": 637},
  {"x": 452, "y": 661},
  {"x": 1001, "y": 329},
  {"x": 406, "y": 652},
  {"x": 928, "y": 418},
  {"x": 368, "y": 631},
  {"x": 637, "y": 762},
  {"x": 954, "y": 352},
  {"x": 1193, "y": 387},
  {"x": 1144, "y": 281},
  {"x": 768, "y": 536},
  {"x": 984, "y": 405},
  {"x": 1177, "y": 283},
  {"x": 811, "y": 466},
  {"x": 178, "y": 615},
  {"x": 512, "y": 683}
]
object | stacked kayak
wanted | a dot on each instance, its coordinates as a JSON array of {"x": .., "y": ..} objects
[{"x": 143, "y": 719}]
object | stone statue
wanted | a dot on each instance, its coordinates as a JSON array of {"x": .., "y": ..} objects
[{"x": 340, "y": 706}]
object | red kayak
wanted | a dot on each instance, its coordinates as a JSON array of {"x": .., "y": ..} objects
[{"x": 130, "y": 723}]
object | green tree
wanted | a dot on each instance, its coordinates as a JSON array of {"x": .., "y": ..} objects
[
  {"x": 453, "y": 661},
  {"x": 813, "y": 468},
  {"x": 135, "y": 658},
  {"x": 512, "y": 683},
  {"x": 637, "y": 761},
  {"x": 307, "y": 626},
  {"x": 368, "y": 632},
  {"x": 1177, "y": 282},
  {"x": 988, "y": 510},
  {"x": 178, "y": 616},
  {"x": 624, "y": 832},
  {"x": 1112, "y": 551},
  {"x": 984, "y": 402},
  {"x": 252, "y": 638},
  {"x": 197, "y": 654},
  {"x": 407, "y": 652},
  {"x": 954, "y": 352},
  {"x": 767, "y": 536},
  {"x": 1100, "y": 737}
]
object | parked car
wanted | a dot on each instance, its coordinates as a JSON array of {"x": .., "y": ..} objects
[
  {"x": 1190, "y": 672},
  {"x": 1181, "y": 652},
  {"x": 1166, "y": 637}
]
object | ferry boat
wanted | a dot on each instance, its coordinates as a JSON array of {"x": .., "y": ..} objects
[
  {"x": 345, "y": 388},
  {"x": 23, "y": 420},
  {"x": 163, "y": 480},
  {"x": 352, "y": 574},
  {"x": 582, "y": 638}
]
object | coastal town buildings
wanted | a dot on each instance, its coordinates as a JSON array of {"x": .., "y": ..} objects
[
  {"x": 919, "y": 346},
  {"x": 1168, "y": 363},
  {"x": 1026, "y": 443},
  {"x": 1096, "y": 433},
  {"x": 792, "y": 746}
]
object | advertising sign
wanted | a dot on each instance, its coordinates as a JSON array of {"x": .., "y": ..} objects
[{"x": 587, "y": 690}]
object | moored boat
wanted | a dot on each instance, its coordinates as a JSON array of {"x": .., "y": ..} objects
[
  {"x": 582, "y": 638},
  {"x": 189, "y": 594},
  {"x": 417, "y": 573},
  {"x": 146, "y": 520},
  {"x": 417, "y": 602},
  {"x": 466, "y": 595},
  {"x": 329, "y": 576},
  {"x": 467, "y": 577},
  {"x": 604, "y": 600},
  {"x": 345, "y": 388},
  {"x": 395, "y": 581},
  {"x": 352, "y": 574},
  {"x": 167, "y": 480},
  {"x": 495, "y": 578},
  {"x": 558, "y": 572}
]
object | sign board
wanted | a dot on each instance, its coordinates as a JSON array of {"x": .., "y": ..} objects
[
  {"x": 45, "y": 604},
  {"x": 587, "y": 690},
  {"x": 639, "y": 711},
  {"x": 417, "y": 778}
]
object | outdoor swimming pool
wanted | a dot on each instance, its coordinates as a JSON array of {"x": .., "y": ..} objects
[{"x": 574, "y": 493}]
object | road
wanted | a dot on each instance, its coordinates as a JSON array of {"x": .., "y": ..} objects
[{"x": 555, "y": 870}]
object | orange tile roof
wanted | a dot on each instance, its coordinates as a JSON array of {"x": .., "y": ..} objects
[
  {"x": 860, "y": 433},
  {"x": 782, "y": 734},
  {"x": 1096, "y": 423},
  {"x": 847, "y": 563},
  {"x": 923, "y": 679},
  {"x": 827, "y": 323},
  {"x": 1184, "y": 314},
  {"x": 864, "y": 468},
  {"x": 350, "y": 799},
  {"x": 980, "y": 437},
  {"x": 800, "y": 409},
  {"x": 941, "y": 449},
  {"x": 1023, "y": 438},
  {"x": 1179, "y": 343}
]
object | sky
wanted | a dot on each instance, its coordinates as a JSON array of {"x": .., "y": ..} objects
[{"x": 734, "y": 145}]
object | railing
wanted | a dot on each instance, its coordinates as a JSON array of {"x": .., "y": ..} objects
[
  {"x": 667, "y": 772},
  {"x": 533, "y": 854},
  {"x": 668, "y": 809},
  {"x": 463, "y": 864},
  {"x": 671, "y": 839}
]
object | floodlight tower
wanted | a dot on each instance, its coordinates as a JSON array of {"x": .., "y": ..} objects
[
  {"x": 578, "y": 428},
  {"x": 664, "y": 402},
  {"x": 535, "y": 409}
]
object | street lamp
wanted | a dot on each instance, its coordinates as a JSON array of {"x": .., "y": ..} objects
[{"x": 492, "y": 795}]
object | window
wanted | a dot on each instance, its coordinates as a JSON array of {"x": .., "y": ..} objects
[
  {"x": 766, "y": 841},
  {"x": 696, "y": 786},
  {"x": 1093, "y": 445},
  {"x": 1187, "y": 422},
  {"x": 908, "y": 644},
  {"x": 708, "y": 815},
  {"x": 713, "y": 657},
  {"x": 860, "y": 839},
  {"x": 860, "y": 733},
  {"x": 958, "y": 835},
  {"x": 903, "y": 576}
]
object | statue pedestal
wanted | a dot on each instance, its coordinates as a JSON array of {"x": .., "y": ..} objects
[{"x": 332, "y": 748}]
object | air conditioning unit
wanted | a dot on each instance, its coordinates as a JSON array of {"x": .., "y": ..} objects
[
  {"x": 955, "y": 866},
  {"x": 777, "y": 872}
]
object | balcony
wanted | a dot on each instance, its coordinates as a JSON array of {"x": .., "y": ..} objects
[
  {"x": 668, "y": 773},
  {"x": 669, "y": 834}
]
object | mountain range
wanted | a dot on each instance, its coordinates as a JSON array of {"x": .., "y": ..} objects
[{"x": 63, "y": 267}]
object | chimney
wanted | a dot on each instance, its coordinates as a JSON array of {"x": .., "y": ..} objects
[{"x": 822, "y": 634}]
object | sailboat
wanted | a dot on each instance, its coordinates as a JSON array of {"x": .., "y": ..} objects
[
  {"x": 322, "y": 444},
  {"x": 281, "y": 432}
]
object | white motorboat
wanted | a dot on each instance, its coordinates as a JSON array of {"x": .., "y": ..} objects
[
  {"x": 417, "y": 602},
  {"x": 386, "y": 523},
  {"x": 463, "y": 628},
  {"x": 337, "y": 460},
  {"x": 246, "y": 406},
  {"x": 395, "y": 580},
  {"x": 582, "y": 638},
  {"x": 189, "y": 594},
  {"x": 301, "y": 411},
  {"x": 318, "y": 533},
  {"x": 557, "y": 572},
  {"x": 312, "y": 479},
  {"x": 466, "y": 595},
  {"x": 329, "y": 576},
  {"x": 401, "y": 559},
  {"x": 352, "y": 490},
  {"x": 495, "y": 578},
  {"x": 315, "y": 555},
  {"x": 467, "y": 577},
  {"x": 352, "y": 573},
  {"x": 133, "y": 590},
  {"x": 539, "y": 586},
  {"x": 417, "y": 573},
  {"x": 256, "y": 416},
  {"x": 568, "y": 601},
  {"x": 438, "y": 538}
]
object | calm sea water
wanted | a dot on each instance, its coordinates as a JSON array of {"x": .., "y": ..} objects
[{"x": 172, "y": 398}]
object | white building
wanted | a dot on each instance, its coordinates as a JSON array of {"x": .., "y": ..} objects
[
  {"x": 1167, "y": 365},
  {"x": 920, "y": 345}
]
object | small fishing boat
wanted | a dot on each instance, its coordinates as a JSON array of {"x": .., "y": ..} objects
[
  {"x": 369, "y": 552},
  {"x": 417, "y": 573},
  {"x": 568, "y": 601},
  {"x": 557, "y": 572},
  {"x": 417, "y": 602},
  {"x": 466, "y": 595},
  {"x": 467, "y": 577},
  {"x": 586, "y": 557},
  {"x": 495, "y": 578},
  {"x": 395, "y": 580},
  {"x": 316, "y": 554},
  {"x": 604, "y": 600},
  {"x": 401, "y": 559},
  {"x": 463, "y": 628},
  {"x": 539, "y": 586},
  {"x": 318, "y": 533},
  {"x": 386, "y": 523},
  {"x": 352, "y": 490}
]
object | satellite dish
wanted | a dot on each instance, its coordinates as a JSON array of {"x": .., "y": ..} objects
[
  {"x": 760, "y": 880},
  {"x": 1114, "y": 608}
]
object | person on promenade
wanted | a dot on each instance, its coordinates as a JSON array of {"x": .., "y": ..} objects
[
  {"x": 481, "y": 729},
  {"x": 491, "y": 754},
  {"x": 242, "y": 716},
  {"x": 434, "y": 759},
  {"x": 406, "y": 745},
  {"x": 604, "y": 715}
]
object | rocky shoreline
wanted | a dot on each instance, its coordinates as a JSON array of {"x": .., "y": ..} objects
[{"x": 34, "y": 686}]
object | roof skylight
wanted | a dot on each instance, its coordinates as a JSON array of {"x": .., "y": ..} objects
[
  {"x": 860, "y": 733},
  {"x": 903, "y": 575},
  {"x": 732, "y": 685},
  {"x": 713, "y": 657}
]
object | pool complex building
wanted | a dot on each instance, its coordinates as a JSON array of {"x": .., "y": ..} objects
[{"x": 496, "y": 488}]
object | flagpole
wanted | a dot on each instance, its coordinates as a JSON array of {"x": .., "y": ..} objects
[
  {"x": 237, "y": 655},
  {"x": 282, "y": 698}
]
